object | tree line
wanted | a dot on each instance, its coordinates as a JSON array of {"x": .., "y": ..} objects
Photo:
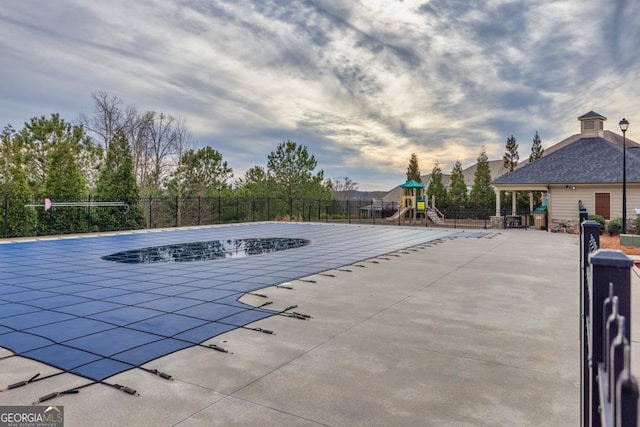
[
  {"x": 120, "y": 153},
  {"x": 481, "y": 196}
]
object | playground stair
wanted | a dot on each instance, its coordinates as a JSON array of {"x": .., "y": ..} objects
[{"x": 433, "y": 216}]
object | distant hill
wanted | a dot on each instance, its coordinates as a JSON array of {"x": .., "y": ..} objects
[{"x": 359, "y": 195}]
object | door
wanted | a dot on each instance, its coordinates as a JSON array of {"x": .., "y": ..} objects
[{"x": 603, "y": 205}]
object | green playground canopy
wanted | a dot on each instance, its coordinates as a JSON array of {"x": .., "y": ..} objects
[{"x": 412, "y": 184}]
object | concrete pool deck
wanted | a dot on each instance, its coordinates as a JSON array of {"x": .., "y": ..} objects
[{"x": 464, "y": 332}]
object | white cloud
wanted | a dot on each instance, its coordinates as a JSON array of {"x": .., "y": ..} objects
[{"x": 365, "y": 83}]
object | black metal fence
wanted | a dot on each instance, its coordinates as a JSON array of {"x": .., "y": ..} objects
[
  {"x": 609, "y": 393},
  {"x": 35, "y": 215}
]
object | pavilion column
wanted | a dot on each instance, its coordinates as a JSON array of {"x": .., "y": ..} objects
[
  {"x": 513, "y": 203},
  {"x": 498, "y": 201},
  {"x": 530, "y": 201}
]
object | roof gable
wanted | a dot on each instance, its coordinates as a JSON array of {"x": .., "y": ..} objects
[{"x": 591, "y": 115}]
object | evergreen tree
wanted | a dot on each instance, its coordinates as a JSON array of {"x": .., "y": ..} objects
[
  {"x": 482, "y": 194},
  {"x": 201, "y": 173},
  {"x": 511, "y": 157},
  {"x": 458, "y": 188},
  {"x": 413, "y": 171},
  {"x": 536, "y": 148},
  {"x": 436, "y": 187},
  {"x": 13, "y": 176},
  {"x": 14, "y": 187},
  {"x": 65, "y": 182},
  {"x": 255, "y": 183},
  {"x": 291, "y": 169},
  {"x": 292, "y": 178},
  {"x": 117, "y": 183},
  {"x": 40, "y": 136}
]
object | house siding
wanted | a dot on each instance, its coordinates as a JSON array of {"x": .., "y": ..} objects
[{"x": 564, "y": 203}]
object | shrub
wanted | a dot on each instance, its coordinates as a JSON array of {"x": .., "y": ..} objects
[
  {"x": 597, "y": 218},
  {"x": 615, "y": 227},
  {"x": 638, "y": 225}
]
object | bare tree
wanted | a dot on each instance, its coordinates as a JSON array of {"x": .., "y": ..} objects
[
  {"x": 157, "y": 140},
  {"x": 137, "y": 129},
  {"x": 161, "y": 146},
  {"x": 107, "y": 118},
  {"x": 182, "y": 142},
  {"x": 344, "y": 188}
]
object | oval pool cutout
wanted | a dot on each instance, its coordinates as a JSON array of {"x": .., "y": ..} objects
[{"x": 204, "y": 251}]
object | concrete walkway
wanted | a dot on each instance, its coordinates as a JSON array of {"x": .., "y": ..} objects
[{"x": 466, "y": 332}]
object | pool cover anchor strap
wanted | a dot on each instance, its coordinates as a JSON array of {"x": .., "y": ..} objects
[
  {"x": 257, "y": 294},
  {"x": 306, "y": 316},
  {"x": 23, "y": 383},
  {"x": 264, "y": 331},
  {"x": 125, "y": 389},
  {"x": 298, "y": 316},
  {"x": 216, "y": 347},
  {"x": 33, "y": 379},
  {"x": 76, "y": 390},
  {"x": 158, "y": 373},
  {"x": 55, "y": 394},
  {"x": 294, "y": 314}
]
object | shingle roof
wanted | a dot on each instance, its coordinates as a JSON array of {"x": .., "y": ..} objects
[
  {"x": 496, "y": 169},
  {"x": 592, "y": 115},
  {"x": 585, "y": 161}
]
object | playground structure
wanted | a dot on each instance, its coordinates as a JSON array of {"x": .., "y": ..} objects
[{"x": 413, "y": 204}]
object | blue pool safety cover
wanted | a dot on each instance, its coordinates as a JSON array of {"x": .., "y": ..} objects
[{"x": 100, "y": 305}]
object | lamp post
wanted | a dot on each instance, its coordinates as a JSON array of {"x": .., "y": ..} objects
[{"x": 624, "y": 125}]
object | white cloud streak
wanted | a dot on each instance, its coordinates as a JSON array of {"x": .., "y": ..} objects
[{"x": 363, "y": 84}]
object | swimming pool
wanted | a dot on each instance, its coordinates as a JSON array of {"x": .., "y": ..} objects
[{"x": 100, "y": 305}]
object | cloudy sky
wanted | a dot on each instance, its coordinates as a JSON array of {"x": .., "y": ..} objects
[{"x": 362, "y": 83}]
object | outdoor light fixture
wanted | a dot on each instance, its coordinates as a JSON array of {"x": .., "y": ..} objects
[{"x": 624, "y": 125}]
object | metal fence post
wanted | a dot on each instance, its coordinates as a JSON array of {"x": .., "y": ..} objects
[
  {"x": 199, "y": 208},
  {"x": 589, "y": 241},
  {"x": 610, "y": 270},
  {"x": 5, "y": 215},
  {"x": 219, "y": 210},
  {"x": 150, "y": 212},
  {"x": 89, "y": 214}
]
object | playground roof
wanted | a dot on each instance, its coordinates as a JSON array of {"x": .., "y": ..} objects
[{"x": 412, "y": 184}]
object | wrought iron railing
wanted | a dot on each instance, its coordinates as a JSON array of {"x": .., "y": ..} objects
[{"x": 609, "y": 393}]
